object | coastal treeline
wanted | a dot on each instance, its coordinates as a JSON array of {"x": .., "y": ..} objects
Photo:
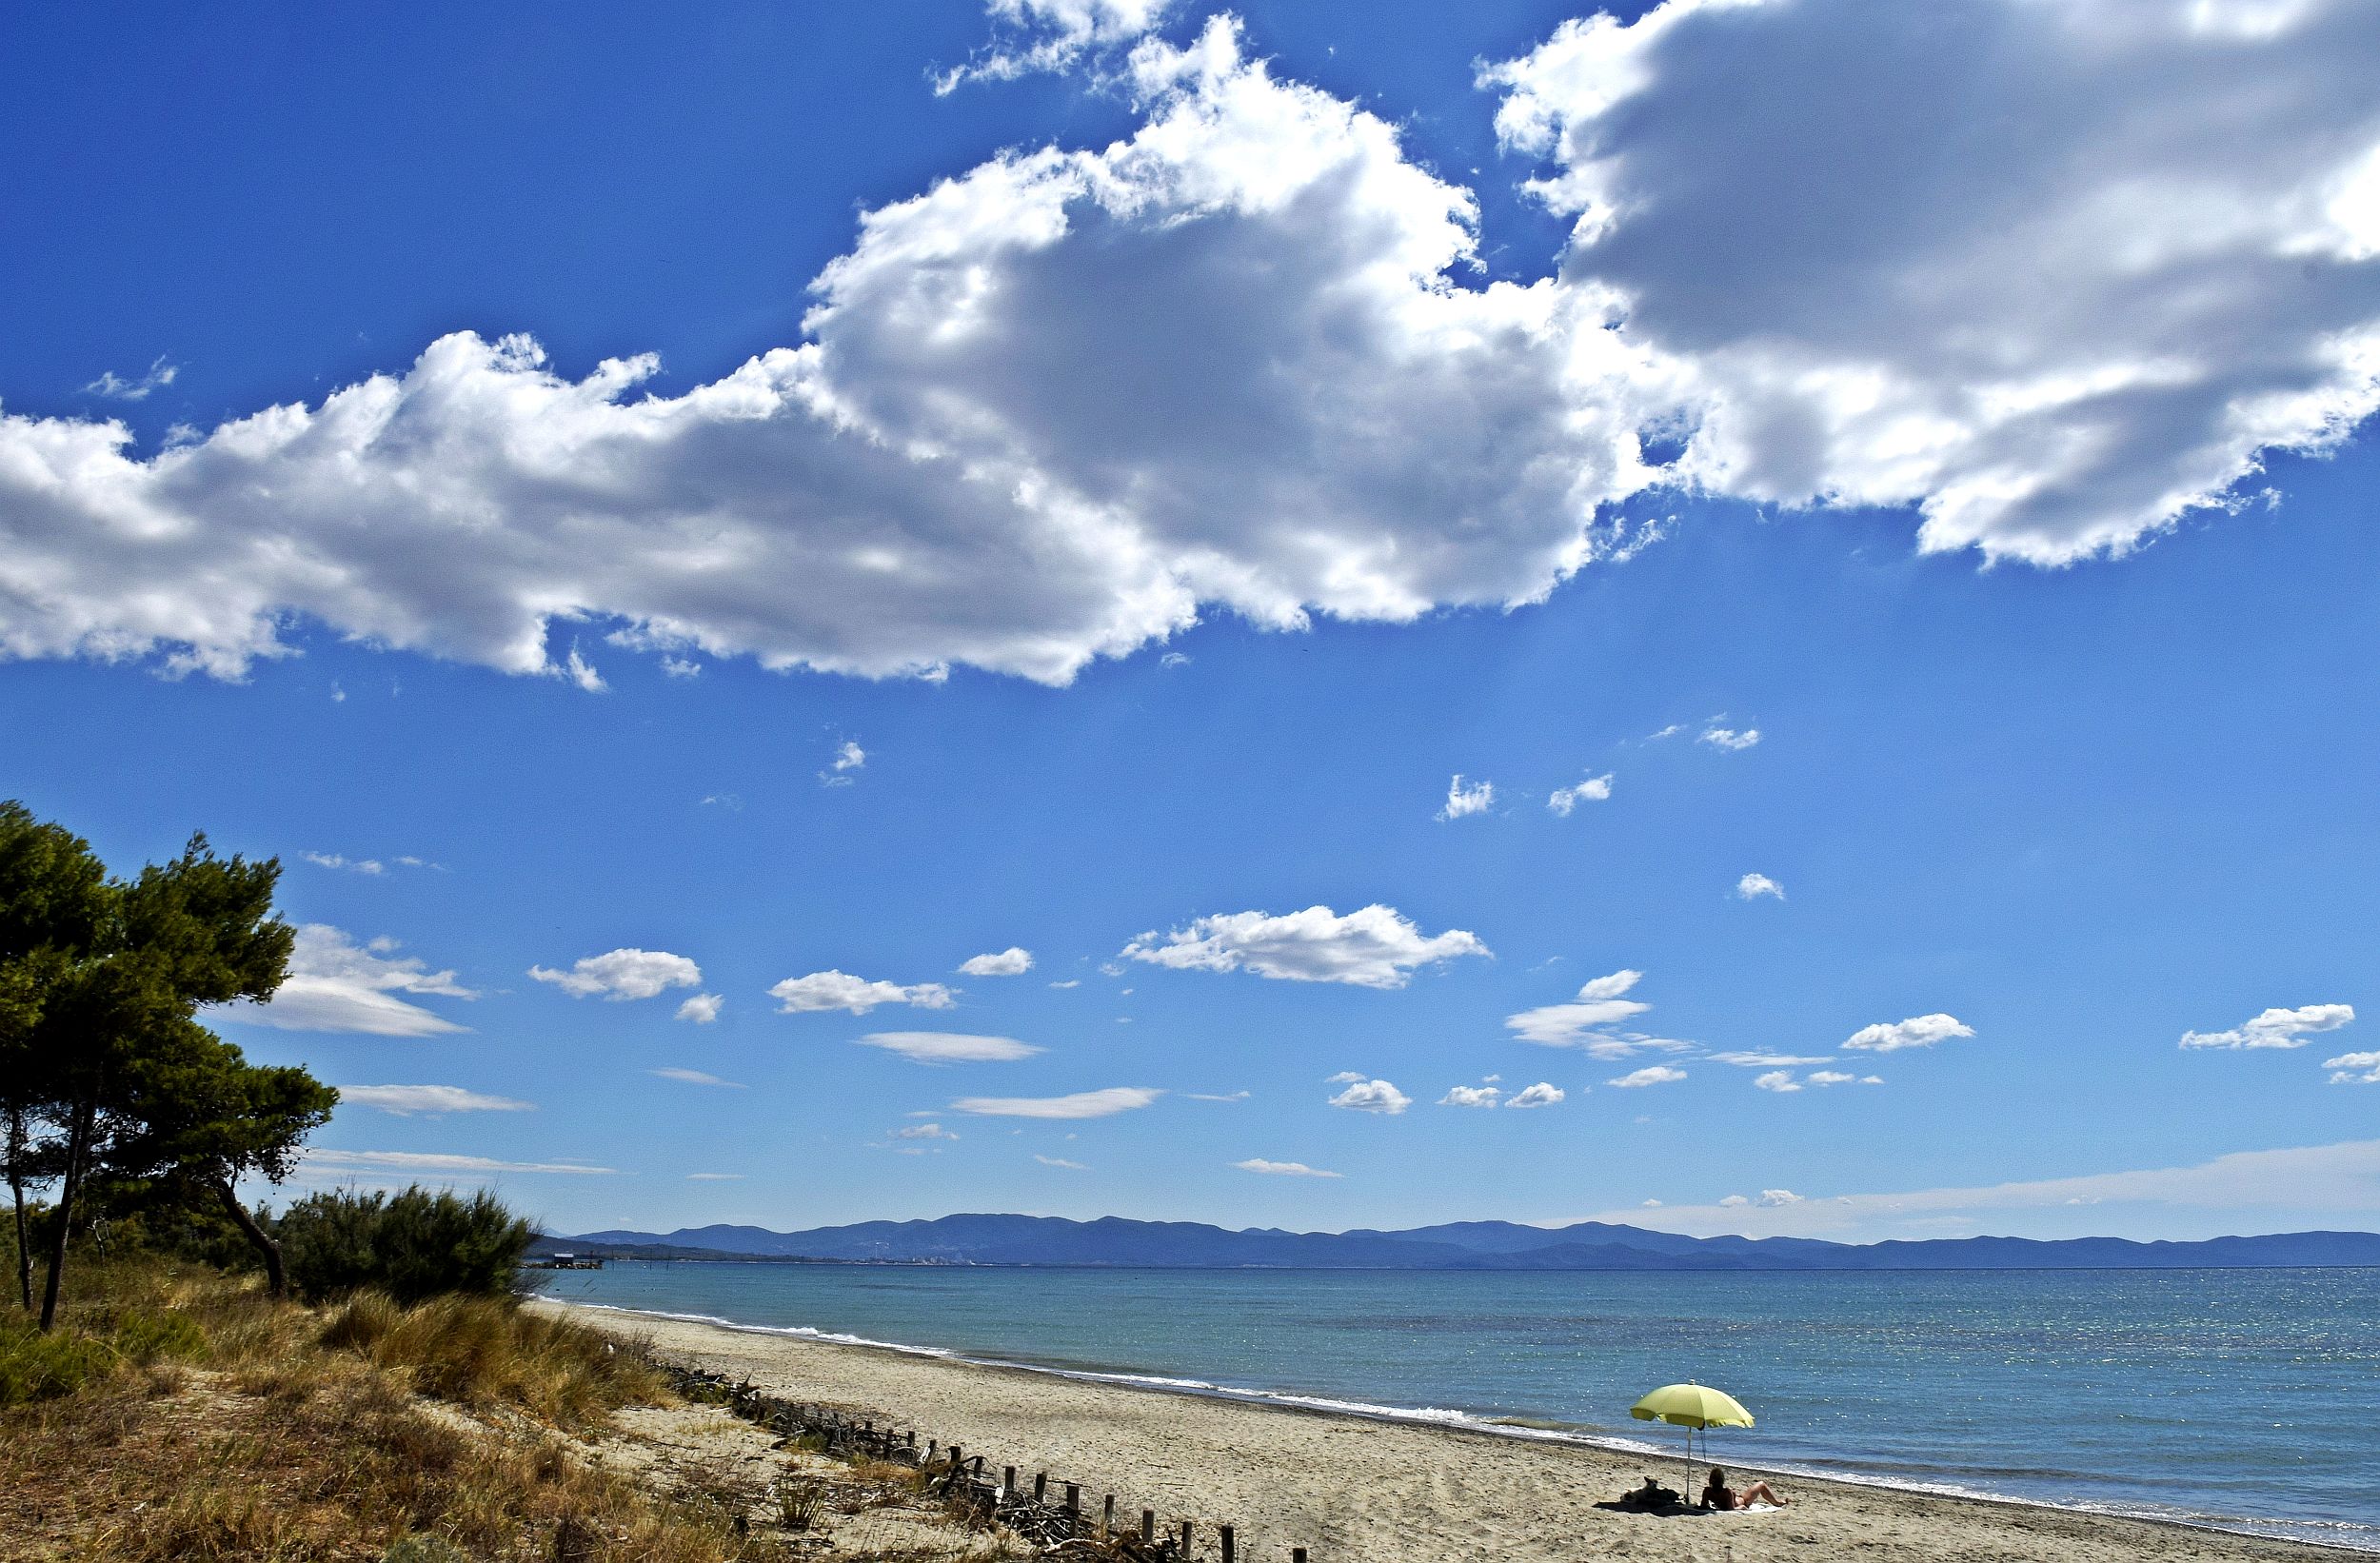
[{"x": 116, "y": 1105}]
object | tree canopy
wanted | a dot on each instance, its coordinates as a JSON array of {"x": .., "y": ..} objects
[{"x": 106, "y": 1077}]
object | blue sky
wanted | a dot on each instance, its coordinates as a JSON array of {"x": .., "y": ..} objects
[{"x": 1155, "y": 527}]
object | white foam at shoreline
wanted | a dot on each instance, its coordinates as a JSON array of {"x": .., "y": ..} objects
[{"x": 2323, "y": 1532}]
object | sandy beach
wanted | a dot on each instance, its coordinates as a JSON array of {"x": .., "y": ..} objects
[{"x": 1353, "y": 1490}]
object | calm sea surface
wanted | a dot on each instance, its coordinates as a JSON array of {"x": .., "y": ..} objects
[{"x": 2244, "y": 1398}]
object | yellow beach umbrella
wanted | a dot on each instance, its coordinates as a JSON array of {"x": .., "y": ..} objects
[{"x": 1690, "y": 1405}]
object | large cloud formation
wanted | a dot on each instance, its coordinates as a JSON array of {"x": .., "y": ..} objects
[{"x": 2054, "y": 275}]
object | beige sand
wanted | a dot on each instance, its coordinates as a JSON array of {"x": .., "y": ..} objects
[{"x": 1357, "y": 1490}]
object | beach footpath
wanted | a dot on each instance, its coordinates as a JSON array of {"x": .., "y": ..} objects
[{"x": 1353, "y": 1490}]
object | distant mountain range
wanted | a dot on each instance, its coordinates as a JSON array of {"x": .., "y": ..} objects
[{"x": 1461, "y": 1245}]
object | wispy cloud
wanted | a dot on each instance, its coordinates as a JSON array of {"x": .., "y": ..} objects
[
  {"x": 1060, "y": 1162},
  {"x": 695, "y": 1076},
  {"x": 701, "y": 1009},
  {"x": 117, "y": 388},
  {"x": 850, "y": 759},
  {"x": 1208, "y": 1095},
  {"x": 1581, "y": 1022},
  {"x": 1729, "y": 737},
  {"x": 408, "y": 1100},
  {"x": 317, "y": 1159},
  {"x": 1282, "y": 1169},
  {"x": 2342, "y": 1180},
  {"x": 335, "y": 985},
  {"x": 948, "y": 1046},
  {"x": 1081, "y": 1104},
  {"x": 1658, "y": 1073}
]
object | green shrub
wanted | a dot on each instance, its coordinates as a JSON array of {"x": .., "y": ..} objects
[
  {"x": 412, "y": 1245},
  {"x": 34, "y": 1366}
]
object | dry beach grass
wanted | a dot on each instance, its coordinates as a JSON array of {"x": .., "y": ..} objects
[{"x": 202, "y": 1422}]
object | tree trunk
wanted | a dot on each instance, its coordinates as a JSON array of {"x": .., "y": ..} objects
[
  {"x": 16, "y": 1187},
  {"x": 24, "y": 1243},
  {"x": 276, "y": 1281},
  {"x": 77, "y": 1142}
]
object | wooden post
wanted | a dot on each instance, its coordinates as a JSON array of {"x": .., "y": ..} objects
[
  {"x": 1148, "y": 1525},
  {"x": 1074, "y": 1498},
  {"x": 1008, "y": 1480},
  {"x": 1041, "y": 1486},
  {"x": 1297, "y": 1555},
  {"x": 1230, "y": 1555},
  {"x": 1185, "y": 1538},
  {"x": 979, "y": 1468},
  {"x": 1107, "y": 1517},
  {"x": 958, "y": 1462}
]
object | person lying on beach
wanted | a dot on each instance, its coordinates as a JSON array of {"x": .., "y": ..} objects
[{"x": 1717, "y": 1495}]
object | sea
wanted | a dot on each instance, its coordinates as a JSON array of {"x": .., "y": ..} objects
[{"x": 2242, "y": 1399}]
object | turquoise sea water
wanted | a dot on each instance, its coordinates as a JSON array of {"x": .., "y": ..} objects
[{"x": 2247, "y": 1399}]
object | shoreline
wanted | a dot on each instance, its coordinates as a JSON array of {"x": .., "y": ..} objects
[{"x": 1239, "y": 1453}]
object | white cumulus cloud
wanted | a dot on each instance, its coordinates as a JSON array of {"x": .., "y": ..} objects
[
  {"x": 622, "y": 975},
  {"x": 2276, "y": 1028},
  {"x": 1657, "y": 1074},
  {"x": 1594, "y": 789},
  {"x": 701, "y": 1009},
  {"x": 2056, "y": 332},
  {"x": 1012, "y": 961},
  {"x": 1918, "y": 1031},
  {"x": 1730, "y": 738},
  {"x": 1471, "y": 1096},
  {"x": 1060, "y": 404},
  {"x": 1374, "y": 948},
  {"x": 1540, "y": 1094},
  {"x": 1461, "y": 801},
  {"x": 2354, "y": 1069},
  {"x": 836, "y": 990},
  {"x": 1753, "y": 887},
  {"x": 1053, "y": 34},
  {"x": 949, "y": 1046},
  {"x": 335, "y": 985},
  {"x": 1777, "y": 1079},
  {"x": 1363, "y": 1096}
]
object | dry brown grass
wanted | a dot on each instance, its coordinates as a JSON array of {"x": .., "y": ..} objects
[
  {"x": 484, "y": 1352},
  {"x": 284, "y": 1436}
]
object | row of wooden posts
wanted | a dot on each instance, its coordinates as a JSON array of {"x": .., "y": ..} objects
[{"x": 956, "y": 1474}]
